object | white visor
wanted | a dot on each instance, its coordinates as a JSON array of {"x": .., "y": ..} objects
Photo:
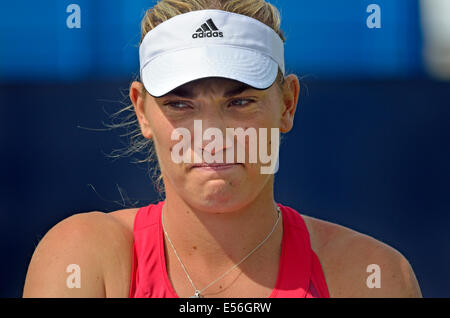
[{"x": 210, "y": 43}]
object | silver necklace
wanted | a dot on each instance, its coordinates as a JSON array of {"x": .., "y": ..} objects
[{"x": 197, "y": 292}]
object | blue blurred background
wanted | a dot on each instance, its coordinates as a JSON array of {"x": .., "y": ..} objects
[{"x": 370, "y": 148}]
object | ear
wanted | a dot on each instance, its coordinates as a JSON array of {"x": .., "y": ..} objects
[
  {"x": 291, "y": 91},
  {"x": 137, "y": 96}
]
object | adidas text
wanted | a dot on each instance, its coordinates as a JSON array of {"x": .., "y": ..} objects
[{"x": 208, "y": 34}]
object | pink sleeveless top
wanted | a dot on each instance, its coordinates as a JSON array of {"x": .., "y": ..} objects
[{"x": 300, "y": 274}]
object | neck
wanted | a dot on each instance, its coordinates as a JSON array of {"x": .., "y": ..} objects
[{"x": 212, "y": 239}]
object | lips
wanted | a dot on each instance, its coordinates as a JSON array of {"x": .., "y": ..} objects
[{"x": 213, "y": 165}]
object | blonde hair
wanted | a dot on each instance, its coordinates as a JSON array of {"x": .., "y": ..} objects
[{"x": 162, "y": 11}]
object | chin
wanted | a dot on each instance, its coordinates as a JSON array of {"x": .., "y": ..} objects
[{"x": 218, "y": 199}]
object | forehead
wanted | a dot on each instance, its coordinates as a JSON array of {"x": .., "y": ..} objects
[{"x": 216, "y": 85}]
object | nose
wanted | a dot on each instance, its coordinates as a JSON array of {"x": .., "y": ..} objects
[{"x": 209, "y": 137}]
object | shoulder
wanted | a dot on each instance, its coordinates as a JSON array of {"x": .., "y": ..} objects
[
  {"x": 91, "y": 227},
  {"x": 357, "y": 265},
  {"x": 98, "y": 244}
]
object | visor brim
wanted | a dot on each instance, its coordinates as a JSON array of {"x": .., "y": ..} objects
[{"x": 170, "y": 70}]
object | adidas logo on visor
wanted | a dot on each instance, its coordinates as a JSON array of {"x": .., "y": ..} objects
[{"x": 207, "y": 30}]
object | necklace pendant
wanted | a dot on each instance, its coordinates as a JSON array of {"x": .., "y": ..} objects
[{"x": 197, "y": 295}]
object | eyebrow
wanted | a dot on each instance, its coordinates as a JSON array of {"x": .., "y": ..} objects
[{"x": 183, "y": 92}]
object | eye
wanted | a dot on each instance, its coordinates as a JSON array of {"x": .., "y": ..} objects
[
  {"x": 241, "y": 102},
  {"x": 176, "y": 105}
]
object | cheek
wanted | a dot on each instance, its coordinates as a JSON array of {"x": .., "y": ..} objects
[
  {"x": 161, "y": 136},
  {"x": 164, "y": 145}
]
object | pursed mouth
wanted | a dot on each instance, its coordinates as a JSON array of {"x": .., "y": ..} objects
[{"x": 214, "y": 165}]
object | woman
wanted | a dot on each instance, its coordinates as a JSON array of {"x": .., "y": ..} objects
[{"x": 219, "y": 231}]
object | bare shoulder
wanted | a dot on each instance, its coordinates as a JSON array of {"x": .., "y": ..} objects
[
  {"x": 357, "y": 265},
  {"x": 97, "y": 245},
  {"x": 125, "y": 217}
]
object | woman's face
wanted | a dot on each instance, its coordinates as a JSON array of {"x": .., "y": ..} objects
[{"x": 218, "y": 103}]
